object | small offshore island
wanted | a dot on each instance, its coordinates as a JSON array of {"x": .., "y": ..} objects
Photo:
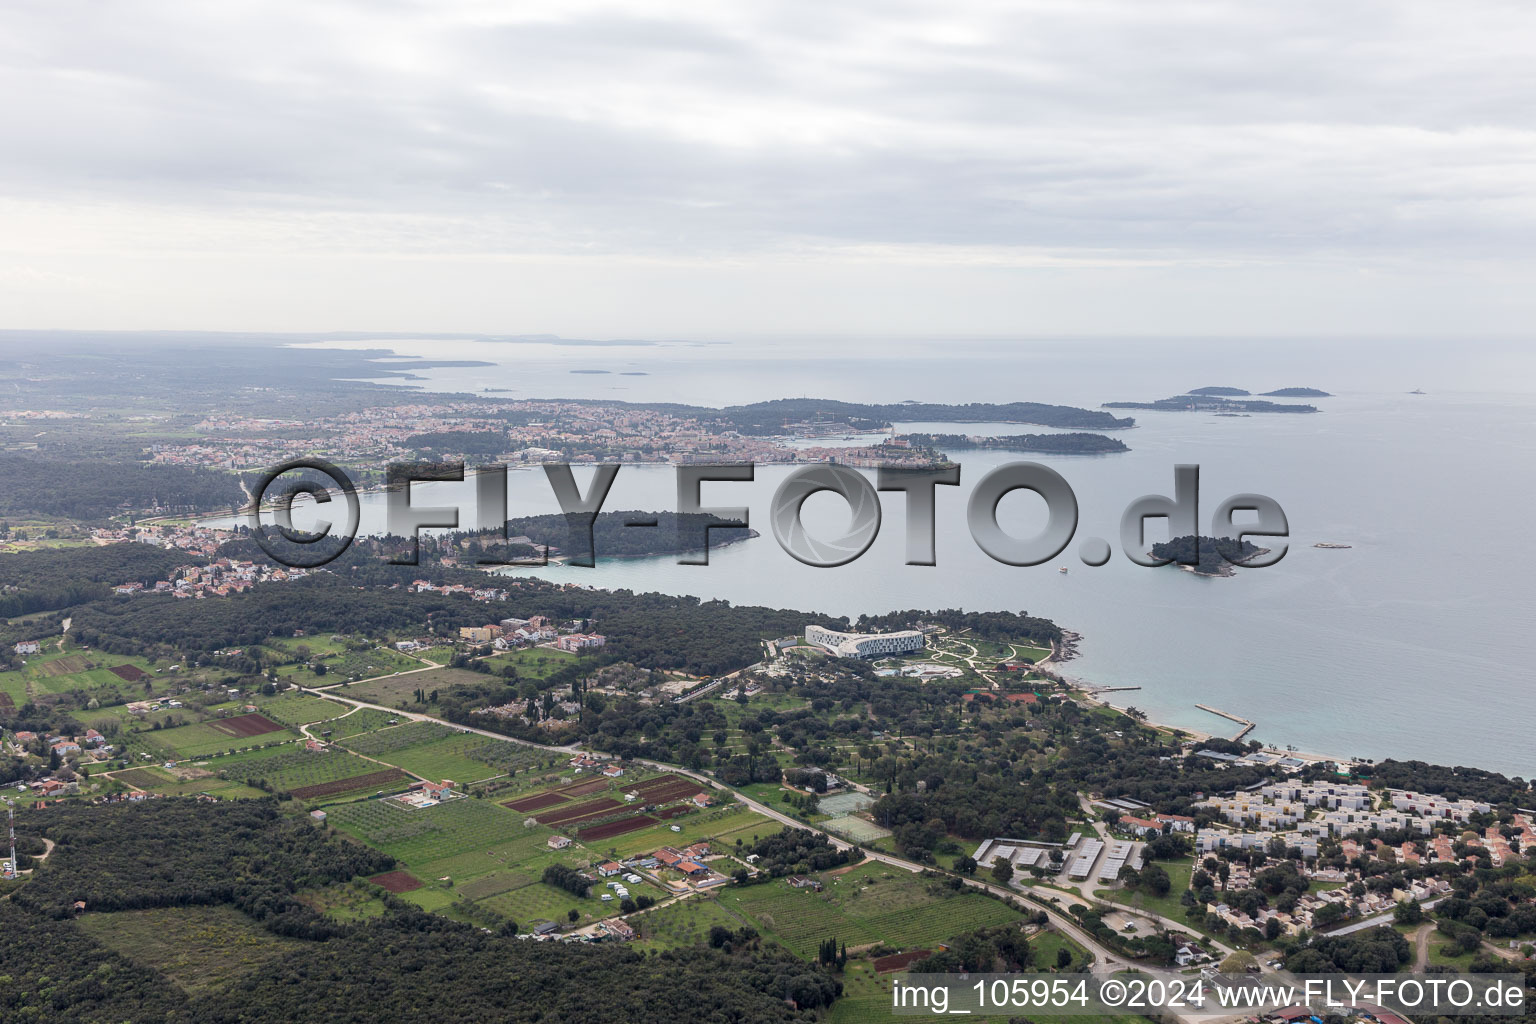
[
  {"x": 1228, "y": 392},
  {"x": 1213, "y": 555}
]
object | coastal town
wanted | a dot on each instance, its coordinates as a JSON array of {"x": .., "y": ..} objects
[
  {"x": 549, "y": 764},
  {"x": 613, "y": 847},
  {"x": 526, "y": 432}
]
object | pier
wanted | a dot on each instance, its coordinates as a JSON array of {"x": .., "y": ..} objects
[{"x": 1247, "y": 726}]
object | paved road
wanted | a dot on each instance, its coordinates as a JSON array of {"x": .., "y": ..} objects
[
  {"x": 415, "y": 716},
  {"x": 1105, "y": 960},
  {"x": 1372, "y": 922}
]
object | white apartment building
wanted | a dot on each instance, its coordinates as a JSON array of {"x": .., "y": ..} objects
[{"x": 865, "y": 645}]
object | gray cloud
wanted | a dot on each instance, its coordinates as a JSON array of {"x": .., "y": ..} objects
[{"x": 1089, "y": 132}]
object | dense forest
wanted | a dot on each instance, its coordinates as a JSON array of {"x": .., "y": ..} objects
[
  {"x": 998, "y": 626},
  {"x": 650, "y": 630},
  {"x": 179, "y": 853},
  {"x": 1075, "y": 443},
  {"x": 168, "y": 853},
  {"x": 97, "y": 489},
  {"x": 1457, "y": 783},
  {"x": 47, "y": 580}
]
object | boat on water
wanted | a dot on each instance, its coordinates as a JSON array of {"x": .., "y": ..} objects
[
  {"x": 1332, "y": 546},
  {"x": 1418, "y": 391},
  {"x": 1062, "y": 570}
]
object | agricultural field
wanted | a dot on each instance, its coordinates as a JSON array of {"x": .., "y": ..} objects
[
  {"x": 872, "y": 903},
  {"x": 683, "y": 923},
  {"x": 442, "y": 753},
  {"x": 729, "y": 822},
  {"x": 301, "y": 709},
  {"x": 506, "y": 758},
  {"x": 384, "y": 742},
  {"x": 63, "y": 670},
  {"x": 316, "y": 646},
  {"x": 400, "y": 690},
  {"x": 185, "y": 782},
  {"x": 430, "y": 834},
  {"x": 308, "y": 774},
  {"x": 524, "y": 853},
  {"x": 215, "y": 736},
  {"x": 534, "y": 662},
  {"x": 198, "y": 948},
  {"x": 358, "y": 721},
  {"x": 539, "y": 902},
  {"x": 345, "y": 666},
  {"x": 799, "y": 919},
  {"x": 144, "y": 778},
  {"x": 521, "y": 897}
]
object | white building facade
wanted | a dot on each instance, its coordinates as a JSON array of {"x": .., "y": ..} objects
[{"x": 865, "y": 645}]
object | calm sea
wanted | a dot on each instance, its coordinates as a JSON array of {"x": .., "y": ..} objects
[{"x": 1415, "y": 642}]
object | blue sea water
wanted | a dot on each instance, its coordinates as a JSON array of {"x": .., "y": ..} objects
[{"x": 1414, "y": 642}]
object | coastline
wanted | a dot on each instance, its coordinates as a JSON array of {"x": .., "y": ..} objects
[{"x": 1085, "y": 690}]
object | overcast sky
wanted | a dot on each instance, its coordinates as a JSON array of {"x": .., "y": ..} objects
[{"x": 692, "y": 169}]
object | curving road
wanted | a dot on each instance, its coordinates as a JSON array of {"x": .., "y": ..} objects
[{"x": 1105, "y": 960}]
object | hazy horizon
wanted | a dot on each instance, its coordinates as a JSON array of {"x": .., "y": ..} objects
[{"x": 606, "y": 168}]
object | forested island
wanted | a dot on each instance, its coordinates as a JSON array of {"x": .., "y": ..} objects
[
  {"x": 1211, "y": 403},
  {"x": 630, "y": 534},
  {"x": 770, "y": 418},
  {"x": 1208, "y": 556},
  {"x": 1228, "y": 392},
  {"x": 1075, "y": 443}
]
